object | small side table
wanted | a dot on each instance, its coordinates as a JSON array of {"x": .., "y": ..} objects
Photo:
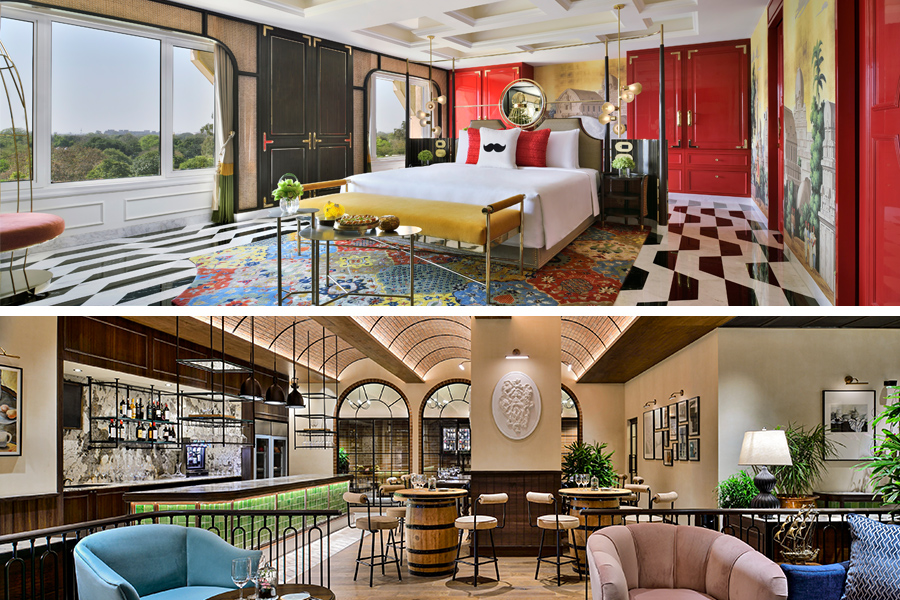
[
  {"x": 623, "y": 196},
  {"x": 315, "y": 591}
]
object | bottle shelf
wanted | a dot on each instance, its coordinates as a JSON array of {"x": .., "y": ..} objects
[
  {"x": 215, "y": 421},
  {"x": 127, "y": 420}
]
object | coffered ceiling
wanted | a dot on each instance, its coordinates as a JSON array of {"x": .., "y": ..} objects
[{"x": 465, "y": 29}]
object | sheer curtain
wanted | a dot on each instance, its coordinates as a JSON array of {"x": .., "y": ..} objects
[{"x": 223, "y": 195}]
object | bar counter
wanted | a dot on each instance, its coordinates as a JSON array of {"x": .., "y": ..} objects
[{"x": 297, "y": 492}]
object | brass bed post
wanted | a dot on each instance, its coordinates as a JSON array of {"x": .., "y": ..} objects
[{"x": 487, "y": 256}]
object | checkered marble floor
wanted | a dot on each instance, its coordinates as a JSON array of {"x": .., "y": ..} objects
[{"x": 717, "y": 251}]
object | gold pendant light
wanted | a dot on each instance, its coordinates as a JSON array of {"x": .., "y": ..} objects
[
  {"x": 624, "y": 93},
  {"x": 426, "y": 119}
]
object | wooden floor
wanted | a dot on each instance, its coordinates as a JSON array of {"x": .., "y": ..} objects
[{"x": 516, "y": 581}]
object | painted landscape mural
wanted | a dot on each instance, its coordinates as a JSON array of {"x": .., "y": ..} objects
[
  {"x": 809, "y": 136},
  {"x": 759, "y": 114}
]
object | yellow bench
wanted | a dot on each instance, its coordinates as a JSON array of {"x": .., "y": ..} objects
[{"x": 466, "y": 223}]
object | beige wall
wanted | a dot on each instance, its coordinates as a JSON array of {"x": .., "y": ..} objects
[
  {"x": 34, "y": 340},
  {"x": 693, "y": 370},
  {"x": 772, "y": 377},
  {"x": 603, "y": 415},
  {"x": 492, "y": 340}
]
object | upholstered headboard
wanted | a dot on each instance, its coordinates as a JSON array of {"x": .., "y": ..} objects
[{"x": 590, "y": 149}]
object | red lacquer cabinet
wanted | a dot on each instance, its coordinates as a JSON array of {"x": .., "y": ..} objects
[
  {"x": 707, "y": 114},
  {"x": 483, "y": 86}
]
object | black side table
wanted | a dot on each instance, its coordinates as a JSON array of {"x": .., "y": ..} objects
[{"x": 623, "y": 196}]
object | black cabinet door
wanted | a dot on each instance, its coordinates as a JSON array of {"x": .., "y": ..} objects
[{"x": 305, "y": 111}]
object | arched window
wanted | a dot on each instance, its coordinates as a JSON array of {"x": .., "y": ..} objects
[
  {"x": 373, "y": 431},
  {"x": 446, "y": 435},
  {"x": 571, "y": 420}
]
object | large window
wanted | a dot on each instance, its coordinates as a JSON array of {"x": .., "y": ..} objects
[
  {"x": 446, "y": 432},
  {"x": 18, "y": 39},
  {"x": 110, "y": 102},
  {"x": 388, "y": 117}
]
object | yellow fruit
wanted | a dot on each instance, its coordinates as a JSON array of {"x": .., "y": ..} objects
[{"x": 333, "y": 211}]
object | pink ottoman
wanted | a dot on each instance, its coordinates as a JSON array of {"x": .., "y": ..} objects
[{"x": 23, "y": 230}]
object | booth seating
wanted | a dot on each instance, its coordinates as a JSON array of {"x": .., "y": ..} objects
[
  {"x": 475, "y": 523},
  {"x": 22, "y": 231},
  {"x": 656, "y": 561},
  {"x": 556, "y": 522},
  {"x": 155, "y": 562}
]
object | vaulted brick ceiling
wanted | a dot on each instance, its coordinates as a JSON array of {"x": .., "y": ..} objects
[
  {"x": 422, "y": 342},
  {"x": 585, "y": 339}
]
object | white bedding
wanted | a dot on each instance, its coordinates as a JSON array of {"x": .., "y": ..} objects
[{"x": 556, "y": 200}]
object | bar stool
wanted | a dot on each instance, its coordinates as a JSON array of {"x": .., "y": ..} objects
[
  {"x": 665, "y": 498},
  {"x": 476, "y": 523},
  {"x": 556, "y": 522},
  {"x": 372, "y": 524},
  {"x": 399, "y": 513}
]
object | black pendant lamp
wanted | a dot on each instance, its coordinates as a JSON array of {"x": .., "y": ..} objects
[
  {"x": 275, "y": 393},
  {"x": 250, "y": 389},
  {"x": 295, "y": 398}
]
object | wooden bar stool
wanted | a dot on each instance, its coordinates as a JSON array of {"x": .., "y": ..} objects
[
  {"x": 556, "y": 522},
  {"x": 476, "y": 523},
  {"x": 372, "y": 524}
]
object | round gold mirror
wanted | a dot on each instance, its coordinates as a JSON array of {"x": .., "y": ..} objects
[{"x": 523, "y": 103}]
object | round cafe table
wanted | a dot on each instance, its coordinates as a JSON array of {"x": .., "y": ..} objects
[
  {"x": 315, "y": 592},
  {"x": 430, "y": 529},
  {"x": 581, "y": 498}
]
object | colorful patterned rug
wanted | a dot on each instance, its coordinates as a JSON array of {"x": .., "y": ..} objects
[{"x": 589, "y": 271}]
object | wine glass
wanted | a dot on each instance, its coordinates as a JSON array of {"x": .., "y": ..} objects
[{"x": 240, "y": 573}]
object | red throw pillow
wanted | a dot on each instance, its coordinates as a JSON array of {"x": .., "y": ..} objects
[
  {"x": 532, "y": 148},
  {"x": 474, "y": 146}
]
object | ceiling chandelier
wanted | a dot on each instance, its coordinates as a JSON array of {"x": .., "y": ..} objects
[
  {"x": 624, "y": 93},
  {"x": 426, "y": 117}
]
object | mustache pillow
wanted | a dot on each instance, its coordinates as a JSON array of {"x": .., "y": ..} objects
[{"x": 498, "y": 148}]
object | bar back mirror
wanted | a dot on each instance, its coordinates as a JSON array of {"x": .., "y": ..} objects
[{"x": 524, "y": 103}]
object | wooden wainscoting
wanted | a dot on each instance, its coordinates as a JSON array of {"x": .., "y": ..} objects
[
  {"x": 518, "y": 538},
  {"x": 26, "y": 513}
]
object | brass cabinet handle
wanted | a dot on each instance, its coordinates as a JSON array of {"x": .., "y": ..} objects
[
  {"x": 316, "y": 140},
  {"x": 690, "y": 119},
  {"x": 309, "y": 141},
  {"x": 678, "y": 119}
]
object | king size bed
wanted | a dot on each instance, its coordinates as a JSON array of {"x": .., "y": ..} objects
[{"x": 560, "y": 203}]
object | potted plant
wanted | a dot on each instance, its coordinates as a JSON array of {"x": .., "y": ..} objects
[
  {"x": 737, "y": 491},
  {"x": 624, "y": 164},
  {"x": 343, "y": 461},
  {"x": 590, "y": 459},
  {"x": 425, "y": 157},
  {"x": 288, "y": 194},
  {"x": 885, "y": 466},
  {"x": 809, "y": 451}
]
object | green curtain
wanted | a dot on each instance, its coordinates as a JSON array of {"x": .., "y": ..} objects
[
  {"x": 223, "y": 194},
  {"x": 225, "y": 189}
]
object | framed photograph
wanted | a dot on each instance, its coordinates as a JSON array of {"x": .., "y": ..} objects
[
  {"x": 694, "y": 450},
  {"x": 682, "y": 411},
  {"x": 683, "y": 442},
  {"x": 667, "y": 457},
  {"x": 10, "y": 411},
  {"x": 657, "y": 419},
  {"x": 673, "y": 425},
  {"x": 648, "y": 435},
  {"x": 659, "y": 442},
  {"x": 847, "y": 416},
  {"x": 693, "y": 411}
]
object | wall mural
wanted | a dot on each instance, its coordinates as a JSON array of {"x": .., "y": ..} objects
[
  {"x": 579, "y": 89},
  {"x": 759, "y": 114},
  {"x": 809, "y": 135}
]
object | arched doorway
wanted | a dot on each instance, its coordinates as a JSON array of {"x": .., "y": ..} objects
[
  {"x": 444, "y": 423},
  {"x": 571, "y": 420},
  {"x": 372, "y": 434}
]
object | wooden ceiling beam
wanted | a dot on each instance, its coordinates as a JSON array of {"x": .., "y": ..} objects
[
  {"x": 356, "y": 335},
  {"x": 647, "y": 342}
]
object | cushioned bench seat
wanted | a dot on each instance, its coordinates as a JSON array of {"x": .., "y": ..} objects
[
  {"x": 448, "y": 220},
  {"x": 21, "y": 230}
]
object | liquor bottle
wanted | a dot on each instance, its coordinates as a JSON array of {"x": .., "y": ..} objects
[
  {"x": 112, "y": 430},
  {"x": 121, "y": 432},
  {"x": 157, "y": 411},
  {"x": 166, "y": 414},
  {"x": 139, "y": 431},
  {"x": 130, "y": 413},
  {"x": 154, "y": 432},
  {"x": 123, "y": 408}
]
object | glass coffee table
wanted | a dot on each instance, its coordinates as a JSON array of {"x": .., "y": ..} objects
[{"x": 319, "y": 235}]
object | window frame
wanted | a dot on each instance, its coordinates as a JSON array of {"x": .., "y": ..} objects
[
  {"x": 373, "y": 110},
  {"x": 40, "y": 112}
]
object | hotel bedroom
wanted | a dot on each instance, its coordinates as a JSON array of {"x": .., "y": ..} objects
[{"x": 187, "y": 153}]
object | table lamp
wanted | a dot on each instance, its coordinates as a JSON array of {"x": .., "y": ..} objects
[{"x": 761, "y": 449}]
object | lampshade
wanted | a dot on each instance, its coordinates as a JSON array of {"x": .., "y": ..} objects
[
  {"x": 765, "y": 448},
  {"x": 251, "y": 390},
  {"x": 275, "y": 394},
  {"x": 609, "y": 107},
  {"x": 295, "y": 398},
  {"x": 421, "y": 114},
  {"x": 637, "y": 88},
  {"x": 604, "y": 119}
]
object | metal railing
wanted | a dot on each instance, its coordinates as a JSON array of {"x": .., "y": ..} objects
[
  {"x": 39, "y": 564},
  {"x": 756, "y": 527}
]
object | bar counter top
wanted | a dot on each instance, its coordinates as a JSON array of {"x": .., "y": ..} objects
[
  {"x": 171, "y": 481},
  {"x": 235, "y": 490}
]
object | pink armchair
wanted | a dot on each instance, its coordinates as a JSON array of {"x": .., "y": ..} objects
[{"x": 658, "y": 561}]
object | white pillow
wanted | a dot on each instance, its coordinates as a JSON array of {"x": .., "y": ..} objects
[
  {"x": 498, "y": 148},
  {"x": 562, "y": 149},
  {"x": 462, "y": 148}
]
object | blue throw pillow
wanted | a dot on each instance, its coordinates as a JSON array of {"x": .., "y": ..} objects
[
  {"x": 874, "y": 560},
  {"x": 815, "y": 582}
]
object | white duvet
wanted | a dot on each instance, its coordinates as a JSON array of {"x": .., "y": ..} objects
[{"x": 556, "y": 200}]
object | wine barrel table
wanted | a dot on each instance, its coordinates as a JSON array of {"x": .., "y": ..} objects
[
  {"x": 581, "y": 498},
  {"x": 431, "y": 536}
]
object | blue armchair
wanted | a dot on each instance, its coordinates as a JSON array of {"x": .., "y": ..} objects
[
  {"x": 815, "y": 582},
  {"x": 155, "y": 562}
]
